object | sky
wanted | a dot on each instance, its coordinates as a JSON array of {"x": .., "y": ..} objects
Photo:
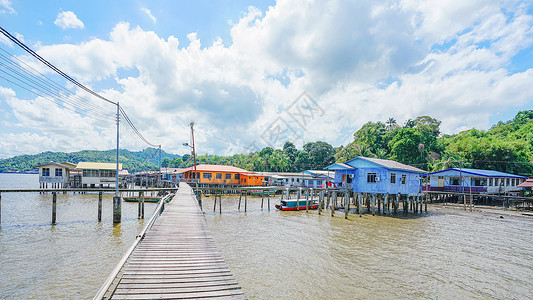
[{"x": 252, "y": 74}]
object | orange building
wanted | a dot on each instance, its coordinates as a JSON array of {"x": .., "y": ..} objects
[{"x": 222, "y": 174}]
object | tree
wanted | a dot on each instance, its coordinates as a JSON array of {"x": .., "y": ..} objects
[
  {"x": 320, "y": 154},
  {"x": 391, "y": 123},
  {"x": 404, "y": 146}
]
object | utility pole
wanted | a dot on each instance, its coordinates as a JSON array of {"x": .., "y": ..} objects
[
  {"x": 194, "y": 156},
  {"x": 116, "y": 199}
]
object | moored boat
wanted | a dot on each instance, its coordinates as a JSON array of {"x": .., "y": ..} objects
[{"x": 295, "y": 205}]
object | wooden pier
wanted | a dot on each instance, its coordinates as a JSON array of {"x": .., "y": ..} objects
[{"x": 174, "y": 259}]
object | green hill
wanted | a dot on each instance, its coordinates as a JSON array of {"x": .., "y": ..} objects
[{"x": 148, "y": 159}]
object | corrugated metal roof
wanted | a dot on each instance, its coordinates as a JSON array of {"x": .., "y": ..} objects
[
  {"x": 527, "y": 183},
  {"x": 55, "y": 164},
  {"x": 338, "y": 166},
  {"x": 484, "y": 173},
  {"x": 82, "y": 165},
  {"x": 215, "y": 168},
  {"x": 391, "y": 164}
]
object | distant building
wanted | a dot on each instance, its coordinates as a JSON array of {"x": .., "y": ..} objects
[
  {"x": 221, "y": 175},
  {"x": 54, "y": 175},
  {"x": 373, "y": 175},
  {"x": 287, "y": 179},
  {"x": 473, "y": 180},
  {"x": 96, "y": 174},
  {"x": 320, "y": 178}
]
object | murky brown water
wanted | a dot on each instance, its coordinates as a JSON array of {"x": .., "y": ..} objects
[
  {"x": 274, "y": 255},
  {"x": 299, "y": 255},
  {"x": 70, "y": 260}
]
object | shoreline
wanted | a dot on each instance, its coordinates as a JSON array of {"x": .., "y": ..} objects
[{"x": 482, "y": 209}]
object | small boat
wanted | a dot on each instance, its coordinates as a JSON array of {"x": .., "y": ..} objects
[
  {"x": 260, "y": 192},
  {"x": 146, "y": 199},
  {"x": 292, "y": 204}
]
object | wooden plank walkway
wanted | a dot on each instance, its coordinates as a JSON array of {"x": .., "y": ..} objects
[{"x": 178, "y": 258}]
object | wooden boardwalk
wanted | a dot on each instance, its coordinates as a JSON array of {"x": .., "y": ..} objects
[{"x": 177, "y": 259}]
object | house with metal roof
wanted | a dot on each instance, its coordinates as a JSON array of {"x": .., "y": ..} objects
[
  {"x": 473, "y": 180},
  {"x": 94, "y": 174},
  {"x": 374, "y": 175},
  {"x": 55, "y": 174},
  {"x": 220, "y": 175}
]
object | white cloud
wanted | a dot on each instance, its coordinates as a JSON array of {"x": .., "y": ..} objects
[
  {"x": 149, "y": 14},
  {"x": 68, "y": 20},
  {"x": 360, "y": 62},
  {"x": 6, "y": 7}
]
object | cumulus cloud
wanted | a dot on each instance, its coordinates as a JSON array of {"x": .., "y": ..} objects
[
  {"x": 6, "y": 7},
  {"x": 359, "y": 61},
  {"x": 149, "y": 14},
  {"x": 68, "y": 20}
]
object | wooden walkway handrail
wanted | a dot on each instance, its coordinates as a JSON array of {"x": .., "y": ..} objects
[{"x": 160, "y": 207}]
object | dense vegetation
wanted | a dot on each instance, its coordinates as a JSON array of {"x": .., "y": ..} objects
[
  {"x": 147, "y": 159},
  {"x": 506, "y": 147}
]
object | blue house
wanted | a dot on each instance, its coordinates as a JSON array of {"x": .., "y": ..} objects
[
  {"x": 473, "y": 180},
  {"x": 373, "y": 175}
]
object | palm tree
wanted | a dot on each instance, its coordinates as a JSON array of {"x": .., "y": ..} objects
[{"x": 390, "y": 123}]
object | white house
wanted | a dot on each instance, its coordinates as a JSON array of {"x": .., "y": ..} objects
[
  {"x": 98, "y": 174},
  {"x": 54, "y": 174}
]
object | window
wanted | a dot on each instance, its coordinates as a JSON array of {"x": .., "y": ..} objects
[
  {"x": 237, "y": 176},
  {"x": 392, "y": 177},
  {"x": 46, "y": 172},
  {"x": 59, "y": 172},
  {"x": 207, "y": 176},
  {"x": 490, "y": 181},
  {"x": 508, "y": 182},
  {"x": 371, "y": 177},
  {"x": 404, "y": 178},
  {"x": 228, "y": 176},
  {"x": 219, "y": 175},
  {"x": 454, "y": 181}
]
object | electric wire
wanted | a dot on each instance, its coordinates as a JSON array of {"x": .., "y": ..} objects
[{"x": 44, "y": 89}]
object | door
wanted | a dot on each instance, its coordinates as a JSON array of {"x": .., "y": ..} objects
[{"x": 441, "y": 181}]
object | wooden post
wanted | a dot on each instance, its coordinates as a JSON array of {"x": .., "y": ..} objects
[
  {"x": 360, "y": 204},
  {"x": 298, "y": 200},
  {"x": 54, "y": 201},
  {"x": 0, "y": 209},
  {"x": 268, "y": 201},
  {"x": 373, "y": 199},
  {"x": 386, "y": 204},
  {"x": 306, "y": 201},
  {"x": 328, "y": 199},
  {"x": 333, "y": 201},
  {"x": 395, "y": 205},
  {"x": 245, "y": 201},
  {"x": 215, "y": 203},
  {"x": 240, "y": 197},
  {"x": 117, "y": 212},
  {"x": 262, "y": 199},
  {"x": 320, "y": 201},
  {"x": 464, "y": 201},
  {"x": 367, "y": 200},
  {"x": 426, "y": 203},
  {"x": 220, "y": 202},
  {"x": 378, "y": 198},
  {"x": 141, "y": 195},
  {"x": 346, "y": 204},
  {"x": 100, "y": 206}
]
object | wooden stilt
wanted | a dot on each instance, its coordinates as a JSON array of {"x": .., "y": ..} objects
[
  {"x": 262, "y": 199},
  {"x": 219, "y": 202},
  {"x": 306, "y": 201},
  {"x": 240, "y": 197},
  {"x": 360, "y": 204},
  {"x": 333, "y": 201},
  {"x": 373, "y": 199},
  {"x": 386, "y": 204},
  {"x": 268, "y": 201},
  {"x": 100, "y": 206},
  {"x": 320, "y": 201},
  {"x": 378, "y": 198},
  {"x": 215, "y": 203},
  {"x": 54, "y": 202},
  {"x": 141, "y": 195},
  {"x": 346, "y": 204},
  {"x": 245, "y": 201}
]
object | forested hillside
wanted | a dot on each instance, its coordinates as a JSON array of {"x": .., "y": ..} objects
[
  {"x": 147, "y": 159},
  {"x": 507, "y": 147}
]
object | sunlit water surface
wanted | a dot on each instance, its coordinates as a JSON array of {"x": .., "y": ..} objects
[
  {"x": 273, "y": 254},
  {"x": 69, "y": 260}
]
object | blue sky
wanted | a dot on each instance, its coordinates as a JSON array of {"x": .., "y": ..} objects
[{"x": 257, "y": 73}]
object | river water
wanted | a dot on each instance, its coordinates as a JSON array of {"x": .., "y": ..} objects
[{"x": 273, "y": 254}]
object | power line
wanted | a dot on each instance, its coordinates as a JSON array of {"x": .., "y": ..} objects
[{"x": 43, "y": 85}]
